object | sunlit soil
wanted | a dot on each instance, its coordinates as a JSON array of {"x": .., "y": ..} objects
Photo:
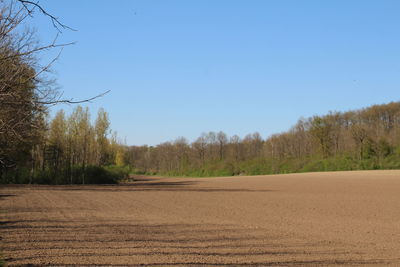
[{"x": 342, "y": 218}]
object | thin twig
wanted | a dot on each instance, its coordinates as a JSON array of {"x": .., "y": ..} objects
[{"x": 56, "y": 22}]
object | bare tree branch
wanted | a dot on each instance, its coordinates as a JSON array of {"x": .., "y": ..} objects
[
  {"x": 71, "y": 101},
  {"x": 37, "y": 49},
  {"x": 56, "y": 22}
]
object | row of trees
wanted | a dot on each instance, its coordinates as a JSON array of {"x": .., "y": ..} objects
[
  {"x": 362, "y": 139},
  {"x": 67, "y": 149}
]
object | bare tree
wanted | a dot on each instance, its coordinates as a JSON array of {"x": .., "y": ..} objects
[{"x": 222, "y": 141}]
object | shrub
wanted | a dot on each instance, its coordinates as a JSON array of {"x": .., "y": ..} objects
[
  {"x": 118, "y": 172},
  {"x": 77, "y": 175}
]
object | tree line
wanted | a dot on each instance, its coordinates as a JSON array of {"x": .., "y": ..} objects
[
  {"x": 362, "y": 139},
  {"x": 70, "y": 150}
]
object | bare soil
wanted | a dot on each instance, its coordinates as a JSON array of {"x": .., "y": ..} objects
[{"x": 312, "y": 219}]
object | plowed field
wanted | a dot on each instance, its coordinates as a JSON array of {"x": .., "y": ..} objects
[{"x": 311, "y": 219}]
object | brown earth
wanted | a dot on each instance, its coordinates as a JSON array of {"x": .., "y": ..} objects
[{"x": 312, "y": 219}]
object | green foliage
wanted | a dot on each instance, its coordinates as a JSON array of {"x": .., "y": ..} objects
[
  {"x": 369, "y": 149},
  {"x": 384, "y": 148},
  {"x": 338, "y": 163},
  {"x": 254, "y": 167},
  {"x": 365, "y": 139},
  {"x": 120, "y": 158},
  {"x": 19, "y": 176},
  {"x": 120, "y": 172},
  {"x": 261, "y": 166},
  {"x": 101, "y": 175},
  {"x": 138, "y": 171},
  {"x": 78, "y": 175},
  {"x": 320, "y": 130},
  {"x": 392, "y": 161}
]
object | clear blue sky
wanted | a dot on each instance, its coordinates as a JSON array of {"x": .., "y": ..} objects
[{"x": 179, "y": 68}]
